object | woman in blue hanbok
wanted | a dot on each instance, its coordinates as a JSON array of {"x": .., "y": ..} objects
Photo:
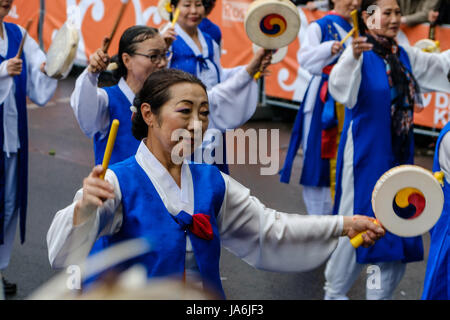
[
  {"x": 437, "y": 276},
  {"x": 378, "y": 82},
  {"x": 194, "y": 51},
  {"x": 188, "y": 210},
  {"x": 20, "y": 77},
  {"x": 319, "y": 120}
]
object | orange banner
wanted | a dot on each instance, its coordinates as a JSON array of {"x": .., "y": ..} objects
[
  {"x": 95, "y": 20},
  {"x": 21, "y": 13}
]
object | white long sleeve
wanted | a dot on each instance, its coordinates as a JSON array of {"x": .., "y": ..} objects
[
  {"x": 263, "y": 237},
  {"x": 272, "y": 240},
  {"x": 6, "y": 84},
  {"x": 429, "y": 69},
  {"x": 90, "y": 105},
  {"x": 39, "y": 87},
  {"x": 444, "y": 156},
  {"x": 314, "y": 54},
  {"x": 345, "y": 79},
  {"x": 233, "y": 101},
  {"x": 69, "y": 244}
]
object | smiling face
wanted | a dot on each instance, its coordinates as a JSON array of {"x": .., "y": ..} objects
[
  {"x": 5, "y": 6},
  {"x": 191, "y": 13},
  {"x": 388, "y": 22},
  {"x": 187, "y": 110}
]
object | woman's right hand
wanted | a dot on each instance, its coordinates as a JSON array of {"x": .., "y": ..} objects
[
  {"x": 169, "y": 35},
  {"x": 99, "y": 61},
  {"x": 360, "y": 45},
  {"x": 336, "y": 48},
  {"x": 14, "y": 66},
  {"x": 95, "y": 192}
]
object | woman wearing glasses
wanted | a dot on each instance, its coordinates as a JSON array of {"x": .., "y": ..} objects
[
  {"x": 142, "y": 51},
  {"x": 95, "y": 108}
]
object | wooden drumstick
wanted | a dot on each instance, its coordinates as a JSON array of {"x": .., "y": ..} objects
[
  {"x": 116, "y": 24},
  {"x": 109, "y": 146},
  {"x": 347, "y": 36},
  {"x": 355, "y": 22},
  {"x": 27, "y": 28}
]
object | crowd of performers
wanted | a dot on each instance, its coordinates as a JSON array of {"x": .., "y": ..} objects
[{"x": 354, "y": 124}]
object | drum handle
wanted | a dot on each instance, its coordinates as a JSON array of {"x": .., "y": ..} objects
[
  {"x": 358, "y": 240},
  {"x": 258, "y": 74},
  {"x": 27, "y": 28},
  {"x": 109, "y": 146}
]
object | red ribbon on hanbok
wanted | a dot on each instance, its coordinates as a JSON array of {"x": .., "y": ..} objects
[{"x": 201, "y": 226}]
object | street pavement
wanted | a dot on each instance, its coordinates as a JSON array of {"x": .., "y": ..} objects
[{"x": 61, "y": 156}]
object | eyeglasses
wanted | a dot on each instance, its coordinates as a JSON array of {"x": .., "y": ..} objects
[{"x": 156, "y": 58}]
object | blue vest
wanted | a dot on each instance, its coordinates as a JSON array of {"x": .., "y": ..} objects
[
  {"x": 210, "y": 28},
  {"x": 145, "y": 215},
  {"x": 437, "y": 276},
  {"x": 316, "y": 170},
  {"x": 373, "y": 156},
  {"x": 14, "y": 39},
  {"x": 126, "y": 144},
  {"x": 185, "y": 59}
]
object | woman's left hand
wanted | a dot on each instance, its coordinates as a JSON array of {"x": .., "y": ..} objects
[
  {"x": 261, "y": 60},
  {"x": 356, "y": 224},
  {"x": 169, "y": 35},
  {"x": 42, "y": 68}
]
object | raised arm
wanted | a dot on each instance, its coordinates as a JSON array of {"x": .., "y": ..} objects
[
  {"x": 75, "y": 228},
  {"x": 430, "y": 69},
  {"x": 90, "y": 105},
  {"x": 40, "y": 87},
  {"x": 277, "y": 241},
  {"x": 314, "y": 55}
]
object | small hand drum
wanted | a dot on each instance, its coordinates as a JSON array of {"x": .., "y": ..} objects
[
  {"x": 277, "y": 56},
  {"x": 428, "y": 45},
  {"x": 272, "y": 24},
  {"x": 407, "y": 200},
  {"x": 164, "y": 9},
  {"x": 62, "y": 51}
]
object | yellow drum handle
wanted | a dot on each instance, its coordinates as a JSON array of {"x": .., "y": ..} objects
[
  {"x": 439, "y": 175},
  {"x": 358, "y": 240}
]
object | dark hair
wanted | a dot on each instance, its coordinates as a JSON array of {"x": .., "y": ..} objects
[
  {"x": 156, "y": 93},
  {"x": 128, "y": 43},
  {"x": 209, "y": 5},
  {"x": 331, "y": 4}
]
